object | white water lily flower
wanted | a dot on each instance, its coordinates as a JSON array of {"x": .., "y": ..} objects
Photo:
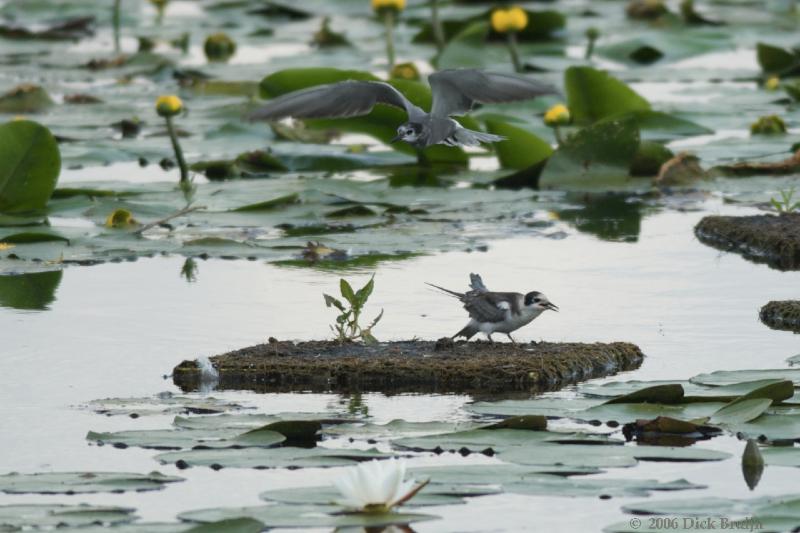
[{"x": 376, "y": 486}]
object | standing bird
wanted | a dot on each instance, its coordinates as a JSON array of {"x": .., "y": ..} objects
[
  {"x": 454, "y": 94},
  {"x": 497, "y": 312}
]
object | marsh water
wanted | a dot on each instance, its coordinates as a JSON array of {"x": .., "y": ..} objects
[{"x": 116, "y": 330}]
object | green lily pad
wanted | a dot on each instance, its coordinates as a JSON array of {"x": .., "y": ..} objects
[
  {"x": 598, "y": 156},
  {"x": 605, "y": 456},
  {"x": 30, "y": 237},
  {"x": 770, "y": 427},
  {"x": 177, "y": 439},
  {"x": 83, "y": 482},
  {"x": 479, "y": 440},
  {"x": 665, "y": 394},
  {"x": 268, "y": 205},
  {"x": 738, "y": 412},
  {"x": 288, "y": 457},
  {"x": 164, "y": 403},
  {"x": 25, "y": 99},
  {"x": 55, "y": 515},
  {"x": 730, "y": 377},
  {"x": 521, "y": 149},
  {"x": 593, "y": 95},
  {"x": 328, "y": 495},
  {"x": 781, "y": 455},
  {"x": 30, "y": 163},
  {"x": 546, "y": 485},
  {"x": 305, "y": 516}
]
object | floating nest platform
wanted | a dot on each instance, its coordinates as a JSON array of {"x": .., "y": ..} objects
[
  {"x": 783, "y": 315},
  {"x": 412, "y": 366},
  {"x": 771, "y": 239}
]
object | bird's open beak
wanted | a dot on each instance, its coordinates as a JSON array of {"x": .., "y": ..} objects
[
  {"x": 552, "y": 306},
  {"x": 396, "y": 138}
]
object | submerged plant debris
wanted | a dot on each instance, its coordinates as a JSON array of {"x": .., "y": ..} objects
[{"x": 442, "y": 366}]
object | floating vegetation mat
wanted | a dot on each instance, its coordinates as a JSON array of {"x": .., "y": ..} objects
[
  {"x": 770, "y": 239},
  {"x": 783, "y": 314},
  {"x": 441, "y": 366}
]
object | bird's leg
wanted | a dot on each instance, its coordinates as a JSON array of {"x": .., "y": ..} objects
[
  {"x": 489, "y": 336},
  {"x": 511, "y": 338}
]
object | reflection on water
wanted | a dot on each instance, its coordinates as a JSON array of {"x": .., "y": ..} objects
[
  {"x": 189, "y": 270},
  {"x": 611, "y": 217},
  {"x": 34, "y": 291}
]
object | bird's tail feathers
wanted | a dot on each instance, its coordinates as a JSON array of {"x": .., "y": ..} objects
[
  {"x": 447, "y": 291},
  {"x": 475, "y": 138}
]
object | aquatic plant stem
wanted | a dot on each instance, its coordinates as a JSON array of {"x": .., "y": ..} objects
[
  {"x": 512, "y": 48},
  {"x": 436, "y": 24},
  {"x": 557, "y": 133},
  {"x": 185, "y": 211},
  {"x": 116, "y": 22},
  {"x": 388, "y": 20},
  {"x": 178, "y": 152}
]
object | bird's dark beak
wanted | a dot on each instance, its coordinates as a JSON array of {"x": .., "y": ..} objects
[
  {"x": 396, "y": 138},
  {"x": 552, "y": 306}
]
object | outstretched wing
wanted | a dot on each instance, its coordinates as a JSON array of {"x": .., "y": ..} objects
[
  {"x": 483, "y": 307},
  {"x": 335, "y": 100},
  {"x": 476, "y": 283},
  {"x": 456, "y": 91}
]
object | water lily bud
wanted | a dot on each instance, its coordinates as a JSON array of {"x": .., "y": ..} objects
[
  {"x": 772, "y": 83},
  {"x": 219, "y": 47},
  {"x": 168, "y": 105},
  {"x": 405, "y": 71},
  {"x": 592, "y": 33},
  {"x": 558, "y": 115},
  {"x": 121, "y": 218},
  {"x": 768, "y": 125},
  {"x": 512, "y": 19},
  {"x": 394, "y": 5}
]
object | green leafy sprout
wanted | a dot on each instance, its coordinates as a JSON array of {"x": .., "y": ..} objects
[
  {"x": 785, "y": 204},
  {"x": 347, "y": 327}
]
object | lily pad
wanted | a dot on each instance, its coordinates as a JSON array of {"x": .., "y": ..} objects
[
  {"x": 521, "y": 149},
  {"x": 305, "y": 516},
  {"x": 738, "y": 412},
  {"x": 30, "y": 163},
  {"x": 83, "y": 482},
  {"x": 270, "y": 458},
  {"x": 596, "y": 157},
  {"x": 37, "y": 516},
  {"x": 163, "y": 403},
  {"x": 593, "y": 95},
  {"x": 730, "y": 377},
  {"x": 177, "y": 439},
  {"x": 328, "y": 495}
]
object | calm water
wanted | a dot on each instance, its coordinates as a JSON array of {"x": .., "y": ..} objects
[{"x": 116, "y": 329}]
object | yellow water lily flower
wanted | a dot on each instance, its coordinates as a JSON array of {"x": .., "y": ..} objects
[
  {"x": 512, "y": 19},
  {"x": 396, "y": 5},
  {"x": 159, "y": 4},
  {"x": 772, "y": 83},
  {"x": 168, "y": 105},
  {"x": 558, "y": 115},
  {"x": 5, "y": 245},
  {"x": 121, "y": 218}
]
